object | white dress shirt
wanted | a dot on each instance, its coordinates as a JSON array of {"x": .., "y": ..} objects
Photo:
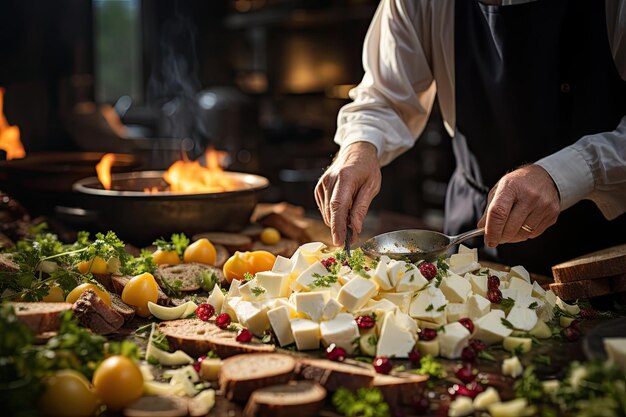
[{"x": 408, "y": 58}]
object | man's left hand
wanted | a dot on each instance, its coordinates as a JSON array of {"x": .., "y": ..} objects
[{"x": 521, "y": 206}]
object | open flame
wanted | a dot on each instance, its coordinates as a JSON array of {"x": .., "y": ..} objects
[
  {"x": 184, "y": 176},
  {"x": 9, "y": 135}
]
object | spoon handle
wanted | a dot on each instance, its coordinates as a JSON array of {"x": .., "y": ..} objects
[
  {"x": 348, "y": 241},
  {"x": 454, "y": 240}
]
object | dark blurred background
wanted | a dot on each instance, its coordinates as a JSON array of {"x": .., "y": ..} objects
[{"x": 262, "y": 79}]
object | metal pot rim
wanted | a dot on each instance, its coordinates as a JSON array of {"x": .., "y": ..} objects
[{"x": 254, "y": 184}]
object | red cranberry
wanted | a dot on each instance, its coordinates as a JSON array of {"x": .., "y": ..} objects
[
  {"x": 465, "y": 373},
  {"x": 336, "y": 353},
  {"x": 415, "y": 356},
  {"x": 493, "y": 282},
  {"x": 421, "y": 405},
  {"x": 328, "y": 262},
  {"x": 468, "y": 324},
  {"x": 477, "y": 345},
  {"x": 571, "y": 334},
  {"x": 427, "y": 334},
  {"x": 382, "y": 365},
  {"x": 460, "y": 390},
  {"x": 205, "y": 311},
  {"x": 589, "y": 313},
  {"x": 244, "y": 336},
  {"x": 428, "y": 270},
  {"x": 223, "y": 321},
  {"x": 197, "y": 365},
  {"x": 575, "y": 324},
  {"x": 475, "y": 387},
  {"x": 468, "y": 354},
  {"x": 495, "y": 296},
  {"x": 365, "y": 322}
]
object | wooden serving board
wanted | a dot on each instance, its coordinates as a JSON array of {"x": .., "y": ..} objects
[{"x": 601, "y": 264}]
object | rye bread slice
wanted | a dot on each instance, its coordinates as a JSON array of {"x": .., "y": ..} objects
[
  {"x": 402, "y": 388},
  {"x": 618, "y": 283},
  {"x": 231, "y": 241},
  {"x": 222, "y": 255},
  {"x": 242, "y": 374},
  {"x": 587, "y": 288},
  {"x": 40, "y": 317},
  {"x": 333, "y": 375},
  {"x": 189, "y": 274},
  {"x": 95, "y": 314},
  {"x": 197, "y": 337},
  {"x": 106, "y": 281},
  {"x": 296, "y": 398},
  {"x": 604, "y": 263},
  {"x": 126, "y": 311}
]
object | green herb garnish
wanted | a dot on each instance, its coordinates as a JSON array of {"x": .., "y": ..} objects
[{"x": 364, "y": 402}]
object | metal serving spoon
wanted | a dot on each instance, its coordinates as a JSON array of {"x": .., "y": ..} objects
[{"x": 414, "y": 244}]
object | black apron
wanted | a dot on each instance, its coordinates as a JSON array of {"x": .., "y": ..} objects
[{"x": 531, "y": 79}]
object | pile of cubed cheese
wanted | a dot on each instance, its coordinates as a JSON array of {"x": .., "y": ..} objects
[{"x": 402, "y": 301}]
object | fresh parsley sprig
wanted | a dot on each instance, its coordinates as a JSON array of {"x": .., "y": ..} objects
[
  {"x": 364, "y": 402},
  {"x": 178, "y": 242}
]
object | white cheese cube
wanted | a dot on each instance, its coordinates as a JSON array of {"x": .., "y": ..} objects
[
  {"x": 490, "y": 329},
  {"x": 522, "y": 318},
  {"x": 412, "y": 280},
  {"x": 504, "y": 285},
  {"x": 538, "y": 291},
  {"x": 252, "y": 315},
  {"x": 572, "y": 309},
  {"x": 461, "y": 407},
  {"x": 456, "y": 289},
  {"x": 229, "y": 306},
  {"x": 456, "y": 311},
  {"x": 464, "y": 249},
  {"x": 312, "y": 248},
  {"x": 477, "y": 306},
  {"x": 520, "y": 272},
  {"x": 280, "y": 319},
  {"x": 299, "y": 263},
  {"x": 463, "y": 269},
  {"x": 462, "y": 259},
  {"x": 216, "y": 298},
  {"x": 395, "y": 340},
  {"x": 291, "y": 308},
  {"x": 406, "y": 322},
  {"x": 276, "y": 284},
  {"x": 616, "y": 351},
  {"x": 429, "y": 305},
  {"x": 550, "y": 298},
  {"x": 233, "y": 290},
  {"x": 311, "y": 303},
  {"x": 306, "y": 333},
  {"x": 395, "y": 270},
  {"x": 331, "y": 309},
  {"x": 400, "y": 299},
  {"x": 379, "y": 305},
  {"x": 252, "y": 291},
  {"x": 308, "y": 277},
  {"x": 479, "y": 283},
  {"x": 342, "y": 331},
  {"x": 513, "y": 408},
  {"x": 513, "y": 294},
  {"x": 512, "y": 367},
  {"x": 525, "y": 289},
  {"x": 282, "y": 265},
  {"x": 452, "y": 340},
  {"x": 381, "y": 277},
  {"x": 486, "y": 398},
  {"x": 356, "y": 293},
  {"x": 503, "y": 275},
  {"x": 428, "y": 347}
]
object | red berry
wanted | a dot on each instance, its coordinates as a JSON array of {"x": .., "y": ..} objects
[
  {"x": 465, "y": 373},
  {"x": 493, "y": 282},
  {"x": 460, "y": 390},
  {"x": 575, "y": 324},
  {"x": 475, "y": 387},
  {"x": 589, "y": 313},
  {"x": 571, "y": 334},
  {"x": 477, "y": 345},
  {"x": 428, "y": 270},
  {"x": 468, "y": 354},
  {"x": 382, "y": 365},
  {"x": 495, "y": 296},
  {"x": 205, "y": 311},
  {"x": 244, "y": 336},
  {"x": 336, "y": 353},
  {"x": 468, "y": 324},
  {"x": 328, "y": 262},
  {"x": 223, "y": 321},
  {"x": 365, "y": 322},
  {"x": 197, "y": 365},
  {"x": 415, "y": 356},
  {"x": 421, "y": 405},
  {"x": 427, "y": 334}
]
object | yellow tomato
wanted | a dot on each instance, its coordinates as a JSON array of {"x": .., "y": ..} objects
[
  {"x": 118, "y": 382},
  {"x": 251, "y": 262},
  {"x": 201, "y": 251},
  {"x": 76, "y": 292},
  {"x": 167, "y": 257},
  {"x": 139, "y": 291},
  {"x": 67, "y": 393},
  {"x": 270, "y": 236},
  {"x": 96, "y": 265},
  {"x": 55, "y": 295}
]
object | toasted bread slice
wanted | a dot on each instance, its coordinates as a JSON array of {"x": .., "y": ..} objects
[
  {"x": 333, "y": 375},
  {"x": 400, "y": 389},
  {"x": 601, "y": 264},
  {"x": 587, "y": 288},
  {"x": 296, "y": 398},
  {"x": 126, "y": 311},
  {"x": 243, "y": 374},
  {"x": 197, "y": 337},
  {"x": 39, "y": 316},
  {"x": 222, "y": 255},
  {"x": 190, "y": 274}
]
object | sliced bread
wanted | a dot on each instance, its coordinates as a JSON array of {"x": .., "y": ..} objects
[
  {"x": 400, "y": 389},
  {"x": 189, "y": 274},
  {"x": 222, "y": 255},
  {"x": 587, "y": 288},
  {"x": 126, "y": 311},
  {"x": 39, "y": 316},
  {"x": 7, "y": 264},
  {"x": 157, "y": 406},
  {"x": 197, "y": 337},
  {"x": 618, "y": 283},
  {"x": 333, "y": 375},
  {"x": 95, "y": 314},
  {"x": 231, "y": 241},
  {"x": 243, "y": 374},
  {"x": 296, "y": 398},
  {"x": 604, "y": 263}
]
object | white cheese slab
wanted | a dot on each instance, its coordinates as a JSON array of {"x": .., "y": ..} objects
[
  {"x": 280, "y": 320},
  {"x": 355, "y": 294},
  {"x": 306, "y": 333},
  {"x": 452, "y": 340},
  {"x": 342, "y": 331}
]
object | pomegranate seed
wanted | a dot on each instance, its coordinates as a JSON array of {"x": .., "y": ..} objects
[
  {"x": 328, "y": 262},
  {"x": 495, "y": 296},
  {"x": 205, "y": 311},
  {"x": 493, "y": 282},
  {"x": 427, "y": 334},
  {"x": 460, "y": 390},
  {"x": 421, "y": 405},
  {"x": 468, "y": 354},
  {"x": 575, "y": 324},
  {"x": 475, "y": 387},
  {"x": 589, "y": 313},
  {"x": 415, "y": 356},
  {"x": 244, "y": 336},
  {"x": 365, "y": 322},
  {"x": 197, "y": 365},
  {"x": 465, "y": 374},
  {"x": 571, "y": 334},
  {"x": 382, "y": 365},
  {"x": 223, "y": 321},
  {"x": 428, "y": 270},
  {"x": 336, "y": 353},
  {"x": 477, "y": 345},
  {"x": 468, "y": 324}
]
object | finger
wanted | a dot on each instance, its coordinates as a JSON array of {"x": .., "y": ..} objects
[
  {"x": 328, "y": 185},
  {"x": 518, "y": 215},
  {"x": 483, "y": 219},
  {"x": 538, "y": 221},
  {"x": 339, "y": 205},
  {"x": 360, "y": 205},
  {"x": 497, "y": 214},
  {"x": 319, "y": 199}
]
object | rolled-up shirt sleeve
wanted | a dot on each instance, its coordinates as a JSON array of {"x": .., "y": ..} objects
[
  {"x": 392, "y": 103},
  {"x": 593, "y": 168}
]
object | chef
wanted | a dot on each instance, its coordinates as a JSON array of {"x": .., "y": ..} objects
[{"x": 533, "y": 94}]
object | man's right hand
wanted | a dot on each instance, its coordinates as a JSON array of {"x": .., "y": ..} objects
[{"x": 347, "y": 188}]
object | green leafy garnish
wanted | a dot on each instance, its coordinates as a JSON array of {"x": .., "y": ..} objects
[
  {"x": 533, "y": 305},
  {"x": 207, "y": 280},
  {"x": 430, "y": 307},
  {"x": 441, "y": 308},
  {"x": 431, "y": 367},
  {"x": 529, "y": 386},
  {"x": 323, "y": 281},
  {"x": 507, "y": 323},
  {"x": 507, "y": 303},
  {"x": 140, "y": 264},
  {"x": 159, "y": 341},
  {"x": 366, "y": 402},
  {"x": 178, "y": 242},
  {"x": 247, "y": 276},
  {"x": 542, "y": 360},
  {"x": 257, "y": 291}
]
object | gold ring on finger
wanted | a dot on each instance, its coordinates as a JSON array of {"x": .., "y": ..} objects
[{"x": 527, "y": 228}]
